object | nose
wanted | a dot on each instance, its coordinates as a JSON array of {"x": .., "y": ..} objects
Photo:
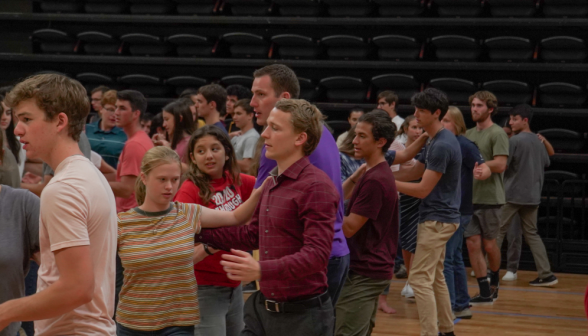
[
  {"x": 19, "y": 129},
  {"x": 168, "y": 185},
  {"x": 265, "y": 133},
  {"x": 355, "y": 141},
  {"x": 254, "y": 102}
]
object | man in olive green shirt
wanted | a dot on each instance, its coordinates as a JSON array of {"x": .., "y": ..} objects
[{"x": 488, "y": 197}]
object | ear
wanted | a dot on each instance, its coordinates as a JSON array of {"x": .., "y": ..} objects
[
  {"x": 393, "y": 105},
  {"x": 381, "y": 142},
  {"x": 286, "y": 95},
  {"x": 212, "y": 104},
  {"x": 62, "y": 121},
  {"x": 226, "y": 158},
  {"x": 301, "y": 139},
  {"x": 437, "y": 114},
  {"x": 143, "y": 178},
  {"x": 181, "y": 118},
  {"x": 192, "y": 158}
]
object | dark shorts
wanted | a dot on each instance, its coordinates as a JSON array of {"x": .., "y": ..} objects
[{"x": 485, "y": 222}]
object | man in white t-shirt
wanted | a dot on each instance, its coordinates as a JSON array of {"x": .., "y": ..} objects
[
  {"x": 387, "y": 101},
  {"x": 245, "y": 142},
  {"x": 78, "y": 223}
]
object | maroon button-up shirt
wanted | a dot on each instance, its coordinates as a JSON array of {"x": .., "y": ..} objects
[{"x": 293, "y": 227}]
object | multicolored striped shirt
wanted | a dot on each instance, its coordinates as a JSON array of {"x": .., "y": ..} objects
[{"x": 156, "y": 250}]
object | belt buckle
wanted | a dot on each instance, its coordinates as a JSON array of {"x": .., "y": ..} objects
[{"x": 275, "y": 304}]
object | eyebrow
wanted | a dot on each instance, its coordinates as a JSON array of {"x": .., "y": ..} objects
[{"x": 23, "y": 114}]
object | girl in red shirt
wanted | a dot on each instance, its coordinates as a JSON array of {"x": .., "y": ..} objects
[{"x": 213, "y": 180}]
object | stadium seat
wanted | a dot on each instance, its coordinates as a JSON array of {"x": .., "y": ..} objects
[
  {"x": 150, "y": 86},
  {"x": 559, "y": 94},
  {"x": 246, "y": 45},
  {"x": 397, "y": 47},
  {"x": 198, "y": 7},
  {"x": 510, "y": 92},
  {"x": 293, "y": 46},
  {"x": 249, "y": 7},
  {"x": 456, "y": 48},
  {"x": 105, "y": 6},
  {"x": 459, "y": 8},
  {"x": 564, "y": 141},
  {"x": 458, "y": 90},
  {"x": 346, "y": 47},
  {"x": 185, "y": 82},
  {"x": 299, "y": 7},
  {"x": 562, "y": 49},
  {"x": 403, "y": 85},
  {"x": 188, "y": 45},
  {"x": 52, "y": 41},
  {"x": 308, "y": 89},
  {"x": 512, "y": 8},
  {"x": 90, "y": 80},
  {"x": 343, "y": 89},
  {"x": 338, "y": 127},
  {"x": 400, "y": 8},
  {"x": 146, "y": 45},
  {"x": 509, "y": 49},
  {"x": 151, "y": 7},
  {"x": 559, "y": 175},
  {"x": 565, "y": 8},
  {"x": 98, "y": 43},
  {"x": 246, "y": 81},
  {"x": 61, "y": 6},
  {"x": 349, "y": 8}
]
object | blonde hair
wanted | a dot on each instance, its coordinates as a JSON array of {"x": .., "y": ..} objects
[
  {"x": 458, "y": 122},
  {"x": 306, "y": 118},
  {"x": 54, "y": 94},
  {"x": 154, "y": 158}
]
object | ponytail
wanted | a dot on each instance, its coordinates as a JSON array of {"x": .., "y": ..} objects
[{"x": 140, "y": 191}]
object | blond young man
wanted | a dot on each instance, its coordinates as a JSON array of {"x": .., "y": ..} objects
[{"x": 78, "y": 225}]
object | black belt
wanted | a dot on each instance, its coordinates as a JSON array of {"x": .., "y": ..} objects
[{"x": 296, "y": 306}]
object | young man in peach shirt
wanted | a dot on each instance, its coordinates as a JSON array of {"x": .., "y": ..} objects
[{"x": 78, "y": 223}]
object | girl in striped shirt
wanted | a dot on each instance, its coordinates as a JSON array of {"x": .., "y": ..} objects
[{"x": 156, "y": 247}]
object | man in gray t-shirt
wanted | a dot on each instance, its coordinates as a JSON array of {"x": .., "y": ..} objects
[
  {"x": 246, "y": 142},
  {"x": 523, "y": 180},
  {"x": 19, "y": 240}
]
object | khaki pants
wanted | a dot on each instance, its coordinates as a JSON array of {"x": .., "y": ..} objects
[
  {"x": 427, "y": 279},
  {"x": 528, "y": 215}
]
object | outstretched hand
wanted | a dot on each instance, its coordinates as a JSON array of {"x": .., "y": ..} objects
[{"x": 240, "y": 266}]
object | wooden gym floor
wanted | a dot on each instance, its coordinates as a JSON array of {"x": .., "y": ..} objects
[{"x": 520, "y": 310}]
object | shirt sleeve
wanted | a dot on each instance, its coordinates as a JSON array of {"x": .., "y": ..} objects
[
  {"x": 131, "y": 164},
  {"x": 500, "y": 144},
  {"x": 318, "y": 212},
  {"x": 422, "y": 155},
  {"x": 193, "y": 212},
  {"x": 244, "y": 237},
  {"x": 249, "y": 146},
  {"x": 368, "y": 202},
  {"x": 438, "y": 158},
  {"x": 32, "y": 207},
  {"x": 66, "y": 222}
]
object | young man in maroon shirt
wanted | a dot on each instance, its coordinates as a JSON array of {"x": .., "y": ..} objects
[{"x": 293, "y": 229}]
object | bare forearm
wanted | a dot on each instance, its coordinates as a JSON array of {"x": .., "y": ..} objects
[
  {"x": 548, "y": 147},
  {"x": 245, "y": 211},
  {"x": 121, "y": 190},
  {"x": 412, "y": 189},
  {"x": 34, "y": 168},
  {"x": 348, "y": 186},
  {"x": 36, "y": 188},
  {"x": 496, "y": 166}
]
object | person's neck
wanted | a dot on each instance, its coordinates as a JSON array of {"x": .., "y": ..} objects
[
  {"x": 392, "y": 114},
  {"x": 61, "y": 150},
  {"x": 284, "y": 164},
  {"x": 132, "y": 130},
  {"x": 482, "y": 125},
  {"x": 150, "y": 206},
  {"x": 246, "y": 128},
  {"x": 103, "y": 127},
  {"x": 374, "y": 159},
  {"x": 526, "y": 130},
  {"x": 212, "y": 118},
  {"x": 433, "y": 129}
]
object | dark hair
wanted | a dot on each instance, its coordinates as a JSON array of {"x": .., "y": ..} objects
[
  {"x": 389, "y": 96},
  {"x": 156, "y": 122},
  {"x": 183, "y": 122},
  {"x": 432, "y": 100},
  {"x": 382, "y": 126},
  {"x": 135, "y": 98},
  {"x": 189, "y": 92},
  {"x": 13, "y": 143},
  {"x": 244, "y": 104},
  {"x": 215, "y": 93},
  {"x": 100, "y": 88},
  {"x": 203, "y": 180},
  {"x": 239, "y": 91},
  {"x": 283, "y": 79},
  {"x": 4, "y": 90},
  {"x": 147, "y": 117},
  {"x": 522, "y": 110},
  {"x": 356, "y": 109}
]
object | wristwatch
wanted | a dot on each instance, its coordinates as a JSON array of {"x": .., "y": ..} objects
[{"x": 206, "y": 249}]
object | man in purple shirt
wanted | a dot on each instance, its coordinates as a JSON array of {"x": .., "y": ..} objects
[
  {"x": 293, "y": 228},
  {"x": 275, "y": 82}
]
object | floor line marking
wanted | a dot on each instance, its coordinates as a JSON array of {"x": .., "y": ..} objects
[{"x": 530, "y": 315}]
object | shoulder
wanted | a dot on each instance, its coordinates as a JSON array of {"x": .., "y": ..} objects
[
  {"x": 497, "y": 132},
  {"x": 91, "y": 127},
  {"x": 247, "y": 179},
  {"x": 128, "y": 216},
  {"x": 314, "y": 178}
]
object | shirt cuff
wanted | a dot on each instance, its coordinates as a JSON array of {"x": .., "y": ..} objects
[{"x": 71, "y": 243}]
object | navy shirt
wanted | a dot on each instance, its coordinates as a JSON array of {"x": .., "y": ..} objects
[
  {"x": 108, "y": 144},
  {"x": 470, "y": 154},
  {"x": 443, "y": 155},
  {"x": 220, "y": 125}
]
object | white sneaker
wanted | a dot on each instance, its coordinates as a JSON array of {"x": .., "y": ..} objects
[
  {"x": 403, "y": 292},
  {"x": 509, "y": 276},
  {"x": 409, "y": 292},
  {"x": 473, "y": 274}
]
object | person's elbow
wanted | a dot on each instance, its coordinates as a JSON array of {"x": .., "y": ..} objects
[
  {"x": 499, "y": 168},
  {"x": 348, "y": 231},
  {"x": 126, "y": 191},
  {"x": 82, "y": 292}
]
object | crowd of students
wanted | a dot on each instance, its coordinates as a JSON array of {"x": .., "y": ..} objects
[{"x": 144, "y": 223}]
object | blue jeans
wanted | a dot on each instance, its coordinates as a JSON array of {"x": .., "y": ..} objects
[
  {"x": 30, "y": 289},
  {"x": 454, "y": 271},
  {"x": 336, "y": 274},
  {"x": 221, "y": 311},
  {"x": 169, "y": 331}
]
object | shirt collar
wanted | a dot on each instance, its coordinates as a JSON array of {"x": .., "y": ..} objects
[
  {"x": 294, "y": 170},
  {"x": 114, "y": 130}
]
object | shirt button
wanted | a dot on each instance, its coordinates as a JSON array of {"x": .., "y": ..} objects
[
  {"x": 272, "y": 294},
  {"x": 267, "y": 209},
  {"x": 200, "y": 237},
  {"x": 266, "y": 231},
  {"x": 265, "y": 252}
]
